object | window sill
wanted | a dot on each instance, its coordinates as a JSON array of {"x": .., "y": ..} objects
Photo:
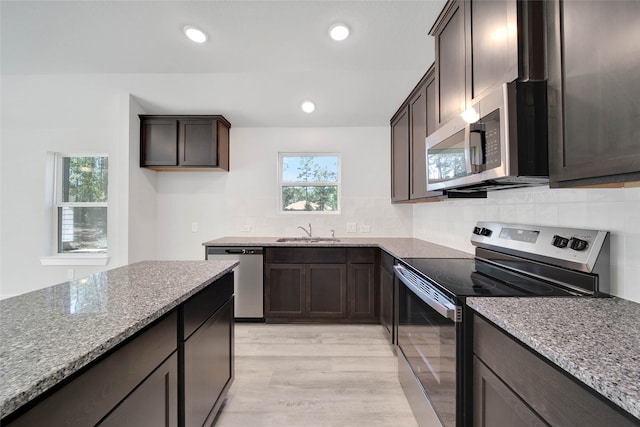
[{"x": 80, "y": 259}]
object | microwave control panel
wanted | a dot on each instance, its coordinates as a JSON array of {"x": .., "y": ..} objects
[{"x": 492, "y": 152}]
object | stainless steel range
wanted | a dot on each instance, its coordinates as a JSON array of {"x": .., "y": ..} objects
[{"x": 510, "y": 260}]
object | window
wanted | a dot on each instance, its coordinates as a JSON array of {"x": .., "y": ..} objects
[
  {"x": 309, "y": 182},
  {"x": 81, "y": 204}
]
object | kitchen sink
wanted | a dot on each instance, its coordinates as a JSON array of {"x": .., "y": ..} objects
[{"x": 308, "y": 240}]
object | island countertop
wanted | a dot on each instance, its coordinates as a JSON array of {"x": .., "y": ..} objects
[
  {"x": 49, "y": 334},
  {"x": 597, "y": 340},
  {"x": 398, "y": 247}
]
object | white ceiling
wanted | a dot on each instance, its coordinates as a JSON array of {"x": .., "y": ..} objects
[{"x": 262, "y": 59}]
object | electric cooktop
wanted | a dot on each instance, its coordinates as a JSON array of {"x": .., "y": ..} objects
[{"x": 466, "y": 277}]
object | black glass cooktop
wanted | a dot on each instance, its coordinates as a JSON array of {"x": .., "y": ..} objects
[{"x": 465, "y": 277}]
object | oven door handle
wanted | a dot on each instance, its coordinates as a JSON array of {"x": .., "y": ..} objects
[{"x": 446, "y": 310}]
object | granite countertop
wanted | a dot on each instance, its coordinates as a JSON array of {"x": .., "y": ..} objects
[
  {"x": 398, "y": 247},
  {"x": 49, "y": 334},
  {"x": 597, "y": 340}
]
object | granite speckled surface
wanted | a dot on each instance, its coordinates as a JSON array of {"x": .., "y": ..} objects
[
  {"x": 398, "y": 247},
  {"x": 48, "y": 334},
  {"x": 597, "y": 340}
]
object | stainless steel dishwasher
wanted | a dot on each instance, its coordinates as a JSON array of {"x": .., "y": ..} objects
[{"x": 247, "y": 280}]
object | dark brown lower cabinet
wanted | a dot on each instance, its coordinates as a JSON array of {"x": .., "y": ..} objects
[
  {"x": 513, "y": 386},
  {"x": 495, "y": 404},
  {"x": 326, "y": 291},
  {"x": 152, "y": 403},
  {"x": 208, "y": 367},
  {"x": 320, "y": 285},
  {"x": 284, "y": 291},
  {"x": 362, "y": 292},
  {"x": 387, "y": 294}
]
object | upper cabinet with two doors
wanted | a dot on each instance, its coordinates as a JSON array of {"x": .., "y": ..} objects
[
  {"x": 482, "y": 44},
  {"x": 184, "y": 142}
]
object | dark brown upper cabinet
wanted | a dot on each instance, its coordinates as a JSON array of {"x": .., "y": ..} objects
[
  {"x": 593, "y": 93},
  {"x": 400, "y": 155},
  {"x": 449, "y": 33},
  {"x": 184, "y": 142},
  {"x": 481, "y": 44}
]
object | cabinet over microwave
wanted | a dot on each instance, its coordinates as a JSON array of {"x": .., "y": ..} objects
[{"x": 499, "y": 142}]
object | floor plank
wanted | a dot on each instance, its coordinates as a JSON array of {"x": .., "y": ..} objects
[{"x": 314, "y": 375}]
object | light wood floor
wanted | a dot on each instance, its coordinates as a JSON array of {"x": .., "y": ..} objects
[{"x": 314, "y": 375}]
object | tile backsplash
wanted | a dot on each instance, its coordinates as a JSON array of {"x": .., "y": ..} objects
[{"x": 614, "y": 210}]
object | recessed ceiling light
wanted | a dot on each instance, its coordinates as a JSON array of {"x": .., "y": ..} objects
[
  {"x": 308, "y": 107},
  {"x": 195, "y": 34},
  {"x": 339, "y": 32}
]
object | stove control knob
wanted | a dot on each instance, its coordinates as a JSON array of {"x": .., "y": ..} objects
[
  {"x": 486, "y": 232},
  {"x": 476, "y": 230},
  {"x": 578, "y": 244},
  {"x": 559, "y": 241}
]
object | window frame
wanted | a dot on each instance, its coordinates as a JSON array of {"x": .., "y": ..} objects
[
  {"x": 337, "y": 183},
  {"x": 58, "y": 203}
]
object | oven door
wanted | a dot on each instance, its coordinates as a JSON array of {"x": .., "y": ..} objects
[{"x": 429, "y": 347}]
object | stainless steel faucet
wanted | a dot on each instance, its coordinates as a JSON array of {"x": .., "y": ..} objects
[{"x": 305, "y": 230}]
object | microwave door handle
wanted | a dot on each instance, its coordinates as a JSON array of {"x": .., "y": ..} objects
[
  {"x": 476, "y": 147},
  {"x": 467, "y": 151}
]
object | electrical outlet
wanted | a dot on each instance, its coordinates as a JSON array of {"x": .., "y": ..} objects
[
  {"x": 245, "y": 228},
  {"x": 194, "y": 227},
  {"x": 70, "y": 273},
  {"x": 365, "y": 228},
  {"x": 351, "y": 227}
]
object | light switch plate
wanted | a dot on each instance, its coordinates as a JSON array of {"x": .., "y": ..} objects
[
  {"x": 194, "y": 227},
  {"x": 365, "y": 228},
  {"x": 351, "y": 227},
  {"x": 245, "y": 228}
]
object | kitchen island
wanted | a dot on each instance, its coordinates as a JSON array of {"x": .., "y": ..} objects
[
  {"x": 594, "y": 341},
  {"x": 131, "y": 315}
]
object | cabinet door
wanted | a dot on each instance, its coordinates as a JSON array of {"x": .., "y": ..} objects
[
  {"x": 154, "y": 402},
  {"x": 594, "y": 111},
  {"x": 450, "y": 63},
  {"x": 400, "y": 157},
  {"x": 362, "y": 292},
  {"x": 159, "y": 142},
  {"x": 284, "y": 291},
  {"x": 495, "y": 405},
  {"x": 386, "y": 301},
  {"x": 208, "y": 366},
  {"x": 326, "y": 291},
  {"x": 493, "y": 39},
  {"x": 198, "y": 143},
  {"x": 418, "y": 127}
]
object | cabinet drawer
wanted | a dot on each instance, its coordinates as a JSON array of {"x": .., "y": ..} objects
[
  {"x": 206, "y": 302},
  {"x": 306, "y": 255},
  {"x": 557, "y": 398},
  {"x": 98, "y": 389},
  {"x": 362, "y": 255}
]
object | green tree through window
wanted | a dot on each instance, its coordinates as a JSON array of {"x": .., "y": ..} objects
[{"x": 310, "y": 182}]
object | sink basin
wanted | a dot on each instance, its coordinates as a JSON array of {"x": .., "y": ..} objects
[{"x": 308, "y": 240}]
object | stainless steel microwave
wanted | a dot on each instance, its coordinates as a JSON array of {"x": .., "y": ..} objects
[{"x": 500, "y": 142}]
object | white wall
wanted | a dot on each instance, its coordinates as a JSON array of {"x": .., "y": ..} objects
[
  {"x": 142, "y": 213},
  {"x": 615, "y": 210},
  {"x": 222, "y": 203},
  {"x": 40, "y": 115}
]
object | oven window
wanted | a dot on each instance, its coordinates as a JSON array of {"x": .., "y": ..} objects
[
  {"x": 446, "y": 160},
  {"x": 428, "y": 341}
]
